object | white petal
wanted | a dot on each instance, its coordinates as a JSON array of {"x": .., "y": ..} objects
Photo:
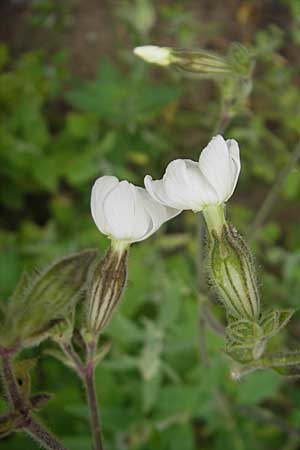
[
  {"x": 156, "y": 212},
  {"x": 177, "y": 185},
  {"x": 142, "y": 220},
  {"x": 119, "y": 207},
  {"x": 200, "y": 190},
  {"x": 156, "y": 189},
  {"x": 154, "y": 54},
  {"x": 234, "y": 152},
  {"x": 101, "y": 188},
  {"x": 215, "y": 164}
]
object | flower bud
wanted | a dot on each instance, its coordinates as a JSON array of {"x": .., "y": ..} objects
[
  {"x": 154, "y": 54},
  {"x": 201, "y": 62},
  {"x": 39, "y": 304},
  {"x": 106, "y": 288},
  {"x": 233, "y": 273}
]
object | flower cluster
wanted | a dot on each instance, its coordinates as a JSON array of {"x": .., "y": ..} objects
[{"x": 127, "y": 213}]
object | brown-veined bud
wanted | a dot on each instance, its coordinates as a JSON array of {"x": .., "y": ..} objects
[
  {"x": 233, "y": 273},
  {"x": 106, "y": 288}
]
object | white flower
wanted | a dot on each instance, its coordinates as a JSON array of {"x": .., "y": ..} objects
[
  {"x": 125, "y": 212},
  {"x": 154, "y": 54},
  {"x": 187, "y": 184}
]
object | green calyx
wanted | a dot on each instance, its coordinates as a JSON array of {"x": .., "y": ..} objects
[
  {"x": 106, "y": 287},
  {"x": 233, "y": 273},
  {"x": 40, "y": 304}
]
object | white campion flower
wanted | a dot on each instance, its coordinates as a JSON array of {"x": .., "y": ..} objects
[
  {"x": 187, "y": 184},
  {"x": 154, "y": 54},
  {"x": 126, "y": 213}
]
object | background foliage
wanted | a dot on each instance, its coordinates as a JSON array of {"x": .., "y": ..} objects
[{"x": 75, "y": 104}]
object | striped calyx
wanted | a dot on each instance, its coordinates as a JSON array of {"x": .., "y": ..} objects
[
  {"x": 233, "y": 273},
  {"x": 107, "y": 285}
]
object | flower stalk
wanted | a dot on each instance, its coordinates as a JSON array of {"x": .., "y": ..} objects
[
  {"x": 89, "y": 381},
  {"x": 86, "y": 372}
]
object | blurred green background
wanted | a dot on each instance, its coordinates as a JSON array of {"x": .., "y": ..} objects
[{"x": 75, "y": 103}]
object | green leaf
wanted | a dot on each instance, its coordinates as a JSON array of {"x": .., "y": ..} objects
[{"x": 257, "y": 387}]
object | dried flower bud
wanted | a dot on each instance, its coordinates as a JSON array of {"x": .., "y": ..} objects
[
  {"x": 233, "y": 273},
  {"x": 106, "y": 288}
]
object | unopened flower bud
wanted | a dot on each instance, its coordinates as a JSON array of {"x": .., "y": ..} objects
[
  {"x": 200, "y": 62},
  {"x": 154, "y": 54},
  {"x": 38, "y": 305},
  {"x": 233, "y": 273},
  {"x": 107, "y": 285}
]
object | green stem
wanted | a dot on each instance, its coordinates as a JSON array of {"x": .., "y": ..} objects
[
  {"x": 86, "y": 372},
  {"x": 281, "y": 361},
  {"x": 215, "y": 218},
  {"x": 89, "y": 381}
]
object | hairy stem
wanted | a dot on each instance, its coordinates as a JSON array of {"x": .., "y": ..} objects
[
  {"x": 10, "y": 384},
  {"x": 41, "y": 435},
  {"x": 89, "y": 381},
  {"x": 25, "y": 421},
  {"x": 74, "y": 358}
]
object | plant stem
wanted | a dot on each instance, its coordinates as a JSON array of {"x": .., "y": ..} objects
[
  {"x": 73, "y": 356},
  {"x": 10, "y": 383},
  {"x": 86, "y": 372},
  {"x": 41, "y": 435},
  {"x": 25, "y": 420},
  {"x": 89, "y": 381}
]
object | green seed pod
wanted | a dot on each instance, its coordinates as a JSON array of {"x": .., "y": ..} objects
[
  {"x": 106, "y": 289},
  {"x": 37, "y": 305},
  {"x": 233, "y": 274}
]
